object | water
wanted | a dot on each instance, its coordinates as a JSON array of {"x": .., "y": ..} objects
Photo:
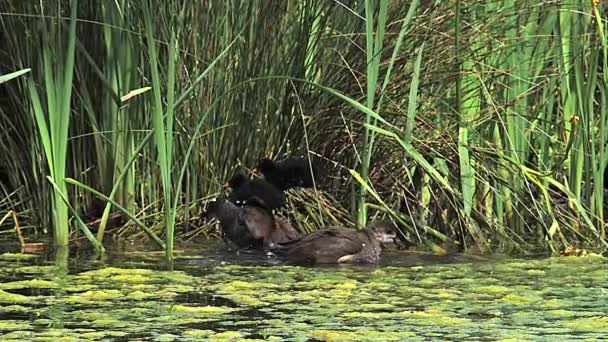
[{"x": 215, "y": 295}]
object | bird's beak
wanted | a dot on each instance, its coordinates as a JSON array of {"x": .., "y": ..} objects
[{"x": 226, "y": 185}]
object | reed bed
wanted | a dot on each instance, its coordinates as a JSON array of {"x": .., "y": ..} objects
[{"x": 480, "y": 125}]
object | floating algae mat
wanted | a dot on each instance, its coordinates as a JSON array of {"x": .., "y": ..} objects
[{"x": 213, "y": 297}]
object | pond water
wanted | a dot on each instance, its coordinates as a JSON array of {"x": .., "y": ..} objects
[{"x": 215, "y": 295}]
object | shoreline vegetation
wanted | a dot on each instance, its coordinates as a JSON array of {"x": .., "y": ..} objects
[{"x": 476, "y": 126}]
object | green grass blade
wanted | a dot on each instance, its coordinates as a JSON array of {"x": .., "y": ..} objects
[
  {"x": 374, "y": 42},
  {"x": 12, "y": 75},
  {"x": 413, "y": 97},
  {"x": 42, "y": 126},
  {"x": 169, "y": 209},
  {"x": 157, "y": 111},
  {"x": 171, "y": 97},
  {"x": 133, "y": 93},
  {"x": 119, "y": 207},
  {"x": 160, "y": 134},
  {"x": 51, "y": 98},
  {"x": 469, "y": 111},
  {"x": 389, "y": 71},
  {"x": 83, "y": 226},
  {"x": 66, "y": 86}
]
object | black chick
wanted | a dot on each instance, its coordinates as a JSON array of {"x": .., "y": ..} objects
[
  {"x": 244, "y": 189},
  {"x": 340, "y": 245},
  {"x": 288, "y": 173}
]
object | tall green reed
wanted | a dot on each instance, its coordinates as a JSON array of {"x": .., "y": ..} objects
[
  {"x": 374, "y": 37},
  {"x": 163, "y": 127},
  {"x": 54, "y": 124},
  {"x": 509, "y": 140},
  {"x": 374, "y": 40}
]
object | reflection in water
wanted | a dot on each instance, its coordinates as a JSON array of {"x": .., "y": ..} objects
[
  {"x": 130, "y": 295},
  {"x": 59, "y": 277}
]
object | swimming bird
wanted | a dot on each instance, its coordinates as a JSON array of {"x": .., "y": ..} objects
[
  {"x": 233, "y": 231},
  {"x": 340, "y": 245},
  {"x": 250, "y": 226},
  {"x": 263, "y": 226}
]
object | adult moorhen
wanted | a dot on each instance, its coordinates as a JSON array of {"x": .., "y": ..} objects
[{"x": 340, "y": 245}]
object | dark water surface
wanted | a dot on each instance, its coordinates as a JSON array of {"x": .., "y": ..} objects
[{"x": 215, "y": 295}]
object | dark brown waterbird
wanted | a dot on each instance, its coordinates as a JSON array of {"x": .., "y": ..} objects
[
  {"x": 233, "y": 230},
  {"x": 264, "y": 226},
  {"x": 250, "y": 226},
  {"x": 340, "y": 245}
]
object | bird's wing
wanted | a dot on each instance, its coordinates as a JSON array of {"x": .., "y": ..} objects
[
  {"x": 321, "y": 234},
  {"x": 282, "y": 232},
  {"x": 324, "y": 246}
]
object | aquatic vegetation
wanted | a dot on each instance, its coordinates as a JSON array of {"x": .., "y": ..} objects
[
  {"x": 491, "y": 289},
  {"x": 509, "y": 300},
  {"x": 596, "y": 324},
  {"x": 520, "y": 300},
  {"x": 199, "y": 310},
  {"x": 139, "y": 295},
  {"x": 108, "y": 323},
  {"x": 198, "y": 333},
  {"x": 17, "y": 256},
  {"x": 333, "y": 335},
  {"x": 7, "y": 325},
  {"x": 94, "y": 296},
  {"x": 226, "y": 336},
  {"x": 7, "y": 297},
  {"x": 32, "y": 283},
  {"x": 15, "y": 309}
]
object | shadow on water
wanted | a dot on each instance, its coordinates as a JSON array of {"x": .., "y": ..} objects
[{"x": 216, "y": 294}]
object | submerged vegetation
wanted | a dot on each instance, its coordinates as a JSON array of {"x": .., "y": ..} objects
[{"x": 475, "y": 125}]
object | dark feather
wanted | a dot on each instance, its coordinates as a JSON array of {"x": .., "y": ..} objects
[
  {"x": 250, "y": 226},
  {"x": 337, "y": 245},
  {"x": 232, "y": 230},
  {"x": 244, "y": 189},
  {"x": 288, "y": 173}
]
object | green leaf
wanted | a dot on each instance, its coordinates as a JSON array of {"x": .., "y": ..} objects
[
  {"x": 96, "y": 244},
  {"x": 134, "y": 93},
  {"x": 8, "y": 77},
  {"x": 119, "y": 207}
]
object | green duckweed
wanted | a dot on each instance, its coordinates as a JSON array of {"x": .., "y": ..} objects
[{"x": 501, "y": 300}]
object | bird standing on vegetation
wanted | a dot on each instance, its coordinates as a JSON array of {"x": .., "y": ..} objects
[
  {"x": 340, "y": 245},
  {"x": 244, "y": 189},
  {"x": 288, "y": 173}
]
